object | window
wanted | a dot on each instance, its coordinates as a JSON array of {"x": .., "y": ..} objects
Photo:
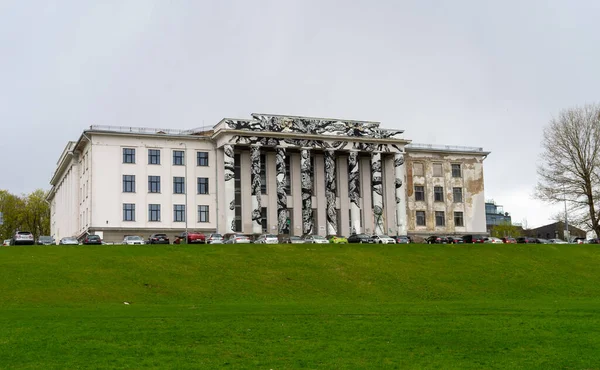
[
  {"x": 179, "y": 213},
  {"x": 202, "y": 185},
  {"x": 456, "y": 170},
  {"x": 438, "y": 193},
  {"x": 178, "y": 185},
  {"x": 420, "y": 218},
  {"x": 128, "y": 183},
  {"x": 202, "y": 213},
  {"x": 154, "y": 212},
  {"x": 128, "y": 212},
  {"x": 458, "y": 219},
  {"x": 263, "y": 174},
  {"x": 417, "y": 169},
  {"x": 153, "y": 156},
  {"x": 153, "y": 184},
  {"x": 440, "y": 220},
  {"x": 202, "y": 158},
  {"x": 457, "y": 195},
  {"x": 288, "y": 180},
  {"x": 178, "y": 157},
  {"x": 437, "y": 170},
  {"x": 419, "y": 193},
  {"x": 128, "y": 155}
]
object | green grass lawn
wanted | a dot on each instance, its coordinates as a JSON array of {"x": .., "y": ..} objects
[{"x": 300, "y": 306}]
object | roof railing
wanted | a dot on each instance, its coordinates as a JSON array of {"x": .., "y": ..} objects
[
  {"x": 147, "y": 130},
  {"x": 444, "y": 147}
]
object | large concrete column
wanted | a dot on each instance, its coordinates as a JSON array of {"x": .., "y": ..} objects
[
  {"x": 255, "y": 184},
  {"x": 377, "y": 197},
  {"x": 354, "y": 192},
  {"x": 282, "y": 211},
  {"x": 229, "y": 188},
  {"x": 330, "y": 190},
  {"x": 400, "y": 171},
  {"x": 305, "y": 173}
]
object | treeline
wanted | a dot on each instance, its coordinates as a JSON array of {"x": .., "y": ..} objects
[{"x": 28, "y": 212}]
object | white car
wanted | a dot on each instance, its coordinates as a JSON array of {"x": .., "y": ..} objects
[
  {"x": 238, "y": 239},
  {"x": 214, "y": 239},
  {"x": 133, "y": 240},
  {"x": 383, "y": 239},
  {"x": 6, "y": 242},
  {"x": 493, "y": 240},
  {"x": 316, "y": 239},
  {"x": 69, "y": 240},
  {"x": 267, "y": 239},
  {"x": 556, "y": 241}
]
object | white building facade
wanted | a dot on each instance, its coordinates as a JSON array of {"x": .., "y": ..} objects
[{"x": 271, "y": 173}]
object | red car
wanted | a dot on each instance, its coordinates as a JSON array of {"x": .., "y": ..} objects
[
  {"x": 192, "y": 237},
  {"x": 509, "y": 240}
]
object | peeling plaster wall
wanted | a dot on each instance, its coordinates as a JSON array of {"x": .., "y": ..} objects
[{"x": 471, "y": 182}]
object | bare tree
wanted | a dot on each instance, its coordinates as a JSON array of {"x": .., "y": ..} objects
[{"x": 571, "y": 165}]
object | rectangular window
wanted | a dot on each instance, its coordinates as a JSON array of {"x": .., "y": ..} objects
[
  {"x": 153, "y": 156},
  {"x": 202, "y": 158},
  {"x": 417, "y": 169},
  {"x": 263, "y": 174},
  {"x": 154, "y": 212},
  {"x": 128, "y": 212},
  {"x": 202, "y": 185},
  {"x": 202, "y": 213},
  {"x": 288, "y": 180},
  {"x": 457, "y": 195},
  {"x": 440, "y": 220},
  {"x": 178, "y": 157},
  {"x": 421, "y": 218},
  {"x": 178, "y": 185},
  {"x": 179, "y": 213},
  {"x": 419, "y": 193},
  {"x": 438, "y": 193},
  {"x": 128, "y": 183},
  {"x": 458, "y": 219},
  {"x": 128, "y": 155},
  {"x": 456, "y": 172},
  {"x": 437, "y": 170},
  {"x": 153, "y": 184}
]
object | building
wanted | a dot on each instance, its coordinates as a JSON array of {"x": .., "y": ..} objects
[
  {"x": 495, "y": 215},
  {"x": 271, "y": 173},
  {"x": 556, "y": 231}
]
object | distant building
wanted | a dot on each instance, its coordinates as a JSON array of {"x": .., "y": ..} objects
[
  {"x": 556, "y": 231},
  {"x": 495, "y": 215}
]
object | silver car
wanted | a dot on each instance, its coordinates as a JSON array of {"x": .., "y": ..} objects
[
  {"x": 133, "y": 240},
  {"x": 23, "y": 237},
  {"x": 267, "y": 239},
  {"x": 214, "y": 239},
  {"x": 238, "y": 239},
  {"x": 69, "y": 240},
  {"x": 316, "y": 239}
]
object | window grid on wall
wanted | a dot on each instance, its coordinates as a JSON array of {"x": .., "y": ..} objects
[
  {"x": 202, "y": 158},
  {"x": 153, "y": 184},
  {"x": 128, "y": 183},
  {"x": 440, "y": 219},
  {"x": 128, "y": 155},
  {"x": 419, "y": 193},
  {"x": 202, "y": 185},
  {"x": 456, "y": 172},
  {"x": 154, "y": 212},
  {"x": 417, "y": 169},
  {"x": 203, "y": 213},
  {"x": 288, "y": 180},
  {"x": 263, "y": 174},
  {"x": 153, "y": 156},
  {"x": 457, "y": 195},
  {"x": 178, "y": 157},
  {"x": 437, "y": 170},
  {"x": 179, "y": 213},
  {"x": 420, "y": 217},
  {"x": 128, "y": 212},
  {"x": 438, "y": 193},
  {"x": 178, "y": 185},
  {"x": 459, "y": 219}
]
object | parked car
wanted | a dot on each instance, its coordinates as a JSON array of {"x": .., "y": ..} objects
[
  {"x": 92, "y": 239},
  {"x": 556, "y": 241},
  {"x": 493, "y": 240},
  {"x": 315, "y": 239},
  {"x": 291, "y": 239},
  {"x": 190, "y": 237},
  {"x": 214, "y": 239},
  {"x": 159, "y": 239},
  {"x": 402, "y": 239},
  {"x": 238, "y": 239},
  {"x": 509, "y": 240},
  {"x": 526, "y": 240},
  {"x": 6, "y": 242},
  {"x": 434, "y": 239},
  {"x": 46, "y": 240},
  {"x": 133, "y": 240},
  {"x": 383, "y": 239},
  {"x": 267, "y": 239},
  {"x": 360, "y": 238},
  {"x": 69, "y": 240},
  {"x": 23, "y": 238},
  {"x": 454, "y": 240},
  {"x": 593, "y": 241},
  {"x": 335, "y": 239},
  {"x": 579, "y": 240},
  {"x": 471, "y": 239}
]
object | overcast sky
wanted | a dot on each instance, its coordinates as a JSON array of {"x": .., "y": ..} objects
[{"x": 472, "y": 73}]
